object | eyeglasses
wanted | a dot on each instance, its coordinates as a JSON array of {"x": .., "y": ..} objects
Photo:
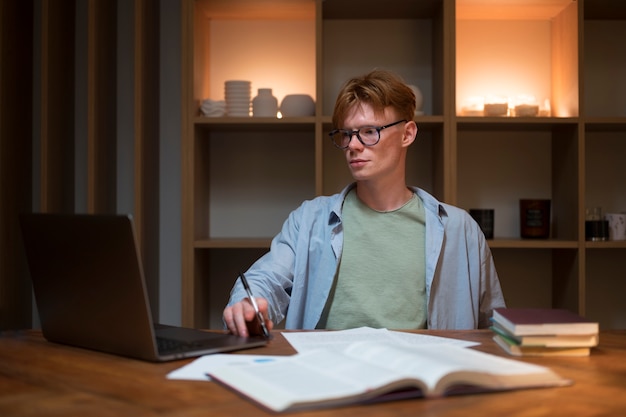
[{"x": 367, "y": 135}]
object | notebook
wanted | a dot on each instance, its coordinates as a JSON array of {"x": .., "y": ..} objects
[{"x": 91, "y": 292}]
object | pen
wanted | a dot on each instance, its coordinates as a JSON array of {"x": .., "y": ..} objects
[{"x": 259, "y": 316}]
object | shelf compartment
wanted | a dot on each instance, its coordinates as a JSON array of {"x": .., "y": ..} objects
[
  {"x": 240, "y": 189},
  {"x": 532, "y": 160},
  {"x": 538, "y": 277},
  {"x": 518, "y": 48},
  {"x": 215, "y": 272},
  {"x": 605, "y": 177},
  {"x": 604, "y": 65},
  {"x": 270, "y": 43},
  {"x": 390, "y": 30},
  {"x": 606, "y": 286}
]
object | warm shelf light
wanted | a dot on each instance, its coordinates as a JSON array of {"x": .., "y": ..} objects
[
  {"x": 524, "y": 105},
  {"x": 503, "y": 59},
  {"x": 270, "y": 53}
]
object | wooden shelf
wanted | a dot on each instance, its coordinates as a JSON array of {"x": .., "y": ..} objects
[
  {"x": 254, "y": 9},
  {"x": 254, "y": 122},
  {"x": 606, "y": 245},
  {"x": 615, "y": 124},
  {"x": 517, "y": 243},
  {"x": 571, "y": 157},
  {"x": 509, "y": 10},
  {"x": 516, "y": 122},
  {"x": 375, "y": 10}
]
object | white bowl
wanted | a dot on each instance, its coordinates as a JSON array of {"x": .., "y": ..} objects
[
  {"x": 297, "y": 105},
  {"x": 237, "y": 83}
]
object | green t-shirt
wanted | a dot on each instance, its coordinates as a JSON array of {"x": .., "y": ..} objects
[{"x": 381, "y": 276}]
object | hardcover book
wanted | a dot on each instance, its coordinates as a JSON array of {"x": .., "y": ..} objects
[
  {"x": 543, "y": 321},
  {"x": 515, "y": 349},
  {"x": 549, "y": 340}
]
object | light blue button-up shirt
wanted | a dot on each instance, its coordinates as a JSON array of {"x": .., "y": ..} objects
[{"x": 296, "y": 275}]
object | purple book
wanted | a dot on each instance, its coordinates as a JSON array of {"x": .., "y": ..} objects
[{"x": 543, "y": 321}]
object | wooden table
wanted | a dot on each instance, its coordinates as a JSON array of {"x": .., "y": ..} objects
[{"x": 38, "y": 378}]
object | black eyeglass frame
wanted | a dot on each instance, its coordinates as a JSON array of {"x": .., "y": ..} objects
[{"x": 352, "y": 133}]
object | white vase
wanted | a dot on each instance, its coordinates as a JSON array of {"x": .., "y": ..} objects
[{"x": 264, "y": 104}]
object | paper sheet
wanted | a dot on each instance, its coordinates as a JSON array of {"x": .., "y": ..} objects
[
  {"x": 307, "y": 341},
  {"x": 198, "y": 369}
]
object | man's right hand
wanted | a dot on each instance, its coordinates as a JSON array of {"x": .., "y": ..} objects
[{"x": 241, "y": 320}]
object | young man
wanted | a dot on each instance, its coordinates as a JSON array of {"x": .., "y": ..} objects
[{"x": 379, "y": 253}]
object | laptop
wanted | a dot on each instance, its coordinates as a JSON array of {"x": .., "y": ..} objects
[{"x": 90, "y": 291}]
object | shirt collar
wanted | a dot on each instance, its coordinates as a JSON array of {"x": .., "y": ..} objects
[{"x": 430, "y": 204}]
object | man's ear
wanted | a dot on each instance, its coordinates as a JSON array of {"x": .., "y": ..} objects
[{"x": 410, "y": 133}]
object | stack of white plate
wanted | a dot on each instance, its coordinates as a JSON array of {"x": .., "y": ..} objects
[{"x": 237, "y": 94}]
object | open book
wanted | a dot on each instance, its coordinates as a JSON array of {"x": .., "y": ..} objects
[{"x": 368, "y": 371}]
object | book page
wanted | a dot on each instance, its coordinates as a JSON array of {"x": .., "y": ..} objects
[
  {"x": 331, "y": 377},
  {"x": 315, "y": 376},
  {"x": 433, "y": 363},
  {"x": 407, "y": 362}
]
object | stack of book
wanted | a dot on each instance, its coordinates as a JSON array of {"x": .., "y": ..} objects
[{"x": 543, "y": 332}]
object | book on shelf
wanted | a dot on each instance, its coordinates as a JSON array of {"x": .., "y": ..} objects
[
  {"x": 369, "y": 372},
  {"x": 549, "y": 340},
  {"x": 543, "y": 321},
  {"x": 515, "y": 349}
]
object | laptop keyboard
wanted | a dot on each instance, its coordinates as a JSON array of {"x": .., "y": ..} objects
[{"x": 171, "y": 345}]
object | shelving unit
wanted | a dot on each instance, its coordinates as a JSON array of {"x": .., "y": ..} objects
[{"x": 242, "y": 176}]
